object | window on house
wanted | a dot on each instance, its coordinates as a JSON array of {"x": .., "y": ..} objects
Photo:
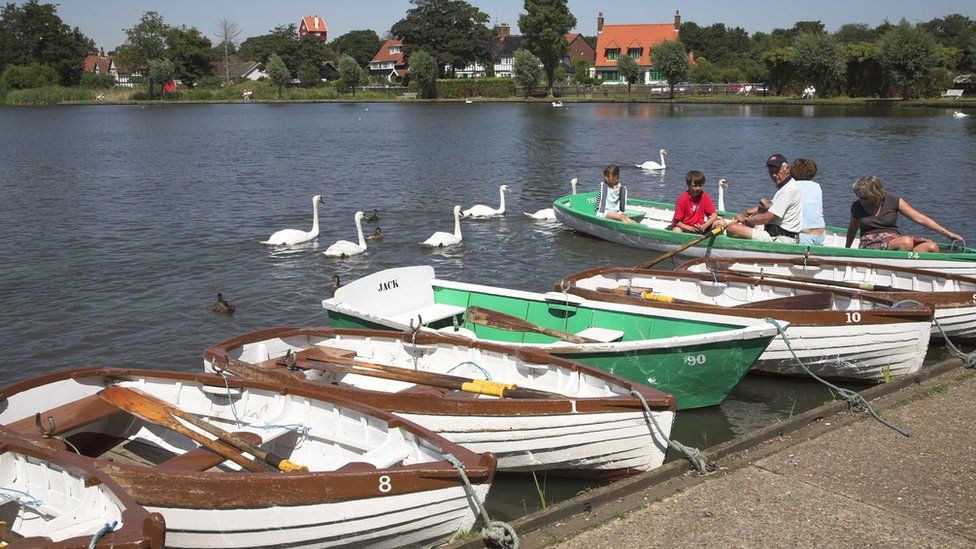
[
  {"x": 610, "y": 76},
  {"x": 654, "y": 75},
  {"x": 635, "y": 52},
  {"x": 395, "y": 49},
  {"x": 612, "y": 53}
]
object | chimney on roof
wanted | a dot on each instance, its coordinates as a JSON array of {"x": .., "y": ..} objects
[
  {"x": 504, "y": 31},
  {"x": 599, "y": 23},
  {"x": 677, "y": 20},
  {"x": 101, "y": 52}
]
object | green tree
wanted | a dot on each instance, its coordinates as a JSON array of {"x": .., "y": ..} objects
[
  {"x": 819, "y": 58},
  {"x": 527, "y": 69},
  {"x": 93, "y": 80},
  {"x": 144, "y": 41},
  {"x": 361, "y": 45},
  {"x": 162, "y": 71},
  {"x": 22, "y": 77},
  {"x": 779, "y": 64},
  {"x": 309, "y": 75},
  {"x": 581, "y": 72},
  {"x": 453, "y": 31},
  {"x": 853, "y": 33},
  {"x": 671, "y": 61},
  {"x": 544, "y": 26},
  {"x": 865, "y": 76},
  {"x": 283, "y": 41},
  {"x": 629, "y": 70},
  {"x": 349, "y": 72},
  {"x": 191, "y": 53},
  {"x": 278, "y": 72},
  {"x": 424, "y": 71},
  {"x": 909, "y": 53},
  {"x": 703, "y": 71},
  {"x": 34, "y": 33}
]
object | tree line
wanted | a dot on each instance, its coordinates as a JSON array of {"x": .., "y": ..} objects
[{"x": 38, "y": 49}]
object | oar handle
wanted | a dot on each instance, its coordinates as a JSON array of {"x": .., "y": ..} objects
[
  {"x": 502, "y": 321},
  {"x": 713, "y": 232}
]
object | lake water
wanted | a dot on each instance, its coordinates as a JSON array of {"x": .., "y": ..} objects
[{"x": 119, "y": 224}]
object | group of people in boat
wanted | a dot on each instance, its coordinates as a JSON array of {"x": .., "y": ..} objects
[{"x": 793, "y": 216}]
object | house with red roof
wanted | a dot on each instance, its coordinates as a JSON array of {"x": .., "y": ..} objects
[
  {"x": 314, "y": 25},
  {"x": 612, "y": 41},
  {"x": 99, "y": 63},
  {"x": 389, "y": 62},
  {"x": 504, "y": 44}
]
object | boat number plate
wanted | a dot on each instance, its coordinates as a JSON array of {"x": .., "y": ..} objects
[
  {"x": 385, "y": 484},
  {"x": 854, "y": 317},
  {"x": 695, "y": 360},
  {"x": 912, "y": 255}
]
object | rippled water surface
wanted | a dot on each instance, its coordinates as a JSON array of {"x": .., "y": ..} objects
[{"x": 120, "y": 223}]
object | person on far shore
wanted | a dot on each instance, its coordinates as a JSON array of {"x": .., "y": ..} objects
[
  {"x": 875, "y": 215},
  {"x": 782, "y": 220},
  {"x": 692, "y": 206},
  {"x": 611, "y": 201},
  {"x": 812, "y": 233}
]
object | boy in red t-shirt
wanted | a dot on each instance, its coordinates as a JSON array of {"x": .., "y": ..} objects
[{"x": 692, "y": 207}]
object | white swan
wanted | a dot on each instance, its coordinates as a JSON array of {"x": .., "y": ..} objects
[
  {"x": 486, "y": 211},
  {"x": 468, "y": 101},
  {"x": 722, "y": 184},
  {"x": 959, "y": 114},
  {"x": 344, "y": 248},
  {"x": 546, "y": 214},
  {"x": 290, "y": 237},
  {"x": 557, "y": 103},
  {"x": 441, "y": 239},
  {"x": 652, "y": 165}
]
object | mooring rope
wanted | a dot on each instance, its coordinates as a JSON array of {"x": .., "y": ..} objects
[
  {"x": 969, "y": 359},
  {"x": 472, "y": 363},
  {"x": 701, "y": 463},
  {"x": 494, "y": 530},
  {"x": 302, "y": 430},
  {"x": 31, "y": 500},
  {"x": 106, "y": 528},
  {"x": 853, "y": 398}
]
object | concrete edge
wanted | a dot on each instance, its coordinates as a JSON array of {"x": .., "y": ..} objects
[{"x": 675, "y": 476}]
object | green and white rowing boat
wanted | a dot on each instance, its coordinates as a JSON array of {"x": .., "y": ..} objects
[
  {"x": 577, "y": 212},
  {"x": 697, "y": 357}
]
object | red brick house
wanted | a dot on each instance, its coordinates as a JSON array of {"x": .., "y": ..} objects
[
  {"x": 389, "y": 63},
  {"x": 314, "y": 25},
  {"x": 636, "y": 41},
  {"x": 578, "y": 49}
]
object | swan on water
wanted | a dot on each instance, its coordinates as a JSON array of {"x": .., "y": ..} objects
[
  {"x": 652, "y": 165},
  {"x": 468, "y": 101},
  {"x": 336, "y": 284},
  {"x": 959, "y": 114},
  {"x": 290, "y": 237},
  {"x": 344, "y": 248},
  {"x": 222, "y": 306},
  {"x": 440, "y": 239},
  {"x": 722, "y": 185},
  {"x": 557, "y": 103},
  {"x": 373, "y": 217},
  {"x": 486, "y": 211},
  {"x": 548, "y": 213},
  {"x": 377, "y": 234}
]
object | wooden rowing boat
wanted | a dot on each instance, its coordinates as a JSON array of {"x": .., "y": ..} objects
[
  {"x": 839, "y": 334},
  {"x": 576, "y": 212},
  {"x": 373, "y": 480},
  {"x": 54, "y": 499},
  {"x": 696, "y": 357},
  {"x": 587, "y": 425},
  {"x": 952, "y": 296}
]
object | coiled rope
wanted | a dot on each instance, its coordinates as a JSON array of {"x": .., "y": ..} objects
[
  {"x": 853, "y": 398},
  {"x": 701, "y": 463},
  {"x": 302, "y": 430},
  {"x": 494, "y": 530},
  {"x": 969, "y": 359},
  {"x": 31, "y": 501},
  {"x": 106, "y": 528}
]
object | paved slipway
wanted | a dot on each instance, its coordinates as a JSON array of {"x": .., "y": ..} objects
[{"x": 841, "y": 480}]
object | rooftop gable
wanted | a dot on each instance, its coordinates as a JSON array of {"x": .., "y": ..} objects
[
  {"x": 635, "y": 36},
  {"x": 314, "y": 23},
  {"x": 385, "y": 56}
]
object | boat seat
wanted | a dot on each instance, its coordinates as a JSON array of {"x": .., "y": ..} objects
[
  {"x": 67, "y": 417},
  {"x": 428, "y": 314},
  {"x": 603, "y": 335},
  {"x": 324, "y": 354},
  {"x": 201, "y": 459}
]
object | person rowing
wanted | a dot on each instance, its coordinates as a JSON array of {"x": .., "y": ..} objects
[{"x": 782, "y": 219}]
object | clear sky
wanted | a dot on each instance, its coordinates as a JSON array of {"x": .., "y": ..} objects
[{"x": 103, "y": 20}]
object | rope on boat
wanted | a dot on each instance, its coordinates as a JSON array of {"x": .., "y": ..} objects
[
  {"x": 495, "y": 530},
  {"x": 475, "y": 364},
  {"x": 952, "y": 245},
  {"x": 970, "y": 359},
  {"x": 701, "y": 463},
  {"x": 106, "y": 528},
  {"x": 5, "y": 494},
  {"x": 853, "y": 398},
  {"x": 297, "y": 427}
]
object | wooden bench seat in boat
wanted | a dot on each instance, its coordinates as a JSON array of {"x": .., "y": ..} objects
[
  {"x": 428, "y": 314},
  {"x": 201, "y": 459},
  {"x": 324, "y": 354},
  {"x": 67, "y": 417},
  {"x": 603, "y": 335}
]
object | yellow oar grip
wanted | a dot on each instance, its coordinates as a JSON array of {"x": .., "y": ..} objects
[
  {"x": 717, "y": 230},
  {"x": 485, "y": 387},
  {"x": 648, "y": 296},
  {"x": 289, "y": 466}
]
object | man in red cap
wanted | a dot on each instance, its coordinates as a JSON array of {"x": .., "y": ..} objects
[{"x": 782, "y": 219}]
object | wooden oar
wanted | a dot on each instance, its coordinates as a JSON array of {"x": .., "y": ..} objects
[
  {"x": 502, "y": 321},
  {"x": 236, "y": 441},
  {"x": 128, "y": 400},
  {"x": 432, "y": 379},
  {"x": 714, "y": 232},
  {"x": 647, "y": 295},
  {"x": 811, "y": 280}
]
